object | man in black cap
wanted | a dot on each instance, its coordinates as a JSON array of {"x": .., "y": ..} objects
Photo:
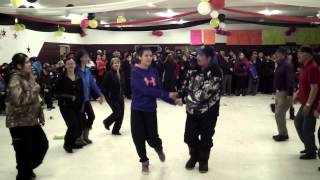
[
  {"x": 309, "y": 96},
  {"x": 201, "y": 93}
]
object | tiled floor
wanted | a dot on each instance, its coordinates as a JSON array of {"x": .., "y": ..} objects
[{"x": 244, "y": 149}]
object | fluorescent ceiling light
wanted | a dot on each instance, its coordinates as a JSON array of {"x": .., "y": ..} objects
[
  {"x": 74, "y": 16},
  {"x": 167, "y": 14},
  {"x": 151, "y": 4},
  {"x": 36, "y": 5},
  {"x": 181, "y": 21},
  {"x": 270, "y": 12}
]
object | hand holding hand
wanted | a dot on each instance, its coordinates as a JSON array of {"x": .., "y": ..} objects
[
  {"x": 179, "y": 102},
  {"x": 173, "y": 95}
]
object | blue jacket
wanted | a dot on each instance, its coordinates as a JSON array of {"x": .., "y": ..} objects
[
  {"x": 88, "y": 83},
  {"x": 253, "y": 71},
  {"x": 36, "y": 68},
  {"x": 146, "y": 88}
]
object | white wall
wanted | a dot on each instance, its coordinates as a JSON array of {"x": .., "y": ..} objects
[{"x": 9, "y": 46}]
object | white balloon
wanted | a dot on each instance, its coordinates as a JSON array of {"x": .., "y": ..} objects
[
  {"x": 214, "y": 14},
  {"x": 222, "y": 25},
  {"x": 204, "y": 8}
]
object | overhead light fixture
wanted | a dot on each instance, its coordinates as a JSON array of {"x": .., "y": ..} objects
[
  {"x": 151, "y": 4},
  {"x": 270, "y": 12},
  {"x": 167, "y": 14},
  {"x": 181, "y": 21}
]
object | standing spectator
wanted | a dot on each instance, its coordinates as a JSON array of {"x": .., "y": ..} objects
[
  {"x": 2, "y": 96},
  {"x": 241, "y": 74},
  {"x": 169, "y": 76},
  {"x": 227, "y": 67},
  {"x": 46, "y": 84},
  {"x": 25, "y": 117},
  {"x": 284, "y": 87},
  {"x": 253, "y": 77},
  {"x": 308, "y": 95},
  {"x": 101, "y": 68},
  {"x": 126, "y": 69},
  {"x": 267, "y": 71}
]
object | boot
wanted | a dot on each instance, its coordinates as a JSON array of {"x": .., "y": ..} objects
[
  {"x": 191, "y": 163},
  {"x": 86, "y": 136},
  {"x": 292, "y": 113},
  {"x": 203, "y": 161},
  {"x": 80, "y": 140}
]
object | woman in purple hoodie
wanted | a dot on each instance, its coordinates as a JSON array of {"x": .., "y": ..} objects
[{"x": 146, "y": 88}]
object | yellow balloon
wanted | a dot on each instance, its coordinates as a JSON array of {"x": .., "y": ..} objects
[
  {"x": 16, "y": 3},
  {"x": 121, "y": 19},
  {"x": 93, "y": 23},
  {"x": 214, "y": 22}
]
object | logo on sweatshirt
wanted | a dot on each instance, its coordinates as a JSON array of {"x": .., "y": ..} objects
[{"x": 151, "y": 82}]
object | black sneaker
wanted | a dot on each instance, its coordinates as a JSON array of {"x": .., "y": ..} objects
[
  {"x": 203, "y": 166},
  {"x": 161, "y": 155},
  {"x": 116, "y": 134},
  {"x": 77, "y": 146},
  {"x": 105, "y": 125},
  {"x": 68, "y": 149},
  {"x": 303, "y": 152},
  {"x": 33, "y": 175},
  {"x": 280, "y": 138},
  {"x": 309, "y": 156}
]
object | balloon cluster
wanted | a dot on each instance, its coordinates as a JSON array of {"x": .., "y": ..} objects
[
  {"x": 290, "y": 31},
  {"x": 19, "y": 3},
  {"x": 206, "y": 6},
  {"x": 157, "y": 33},
  {"x": 121, "y": 19},
  {"x": 89, "y": 22},
  {"x": 60, "y": 31},
  {"x": 19, "y": 27}
]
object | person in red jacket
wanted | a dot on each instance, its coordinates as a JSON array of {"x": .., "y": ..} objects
[
  {"x": 241, "y": 74},
  {"x": 101, "y": 67}
]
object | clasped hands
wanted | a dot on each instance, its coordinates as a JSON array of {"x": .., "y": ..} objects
[{"x": 175, "y": 97}]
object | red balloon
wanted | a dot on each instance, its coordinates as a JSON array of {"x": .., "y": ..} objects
[
  {"x": 84, "y": 23},
  {"x": 218, "y": 4}
]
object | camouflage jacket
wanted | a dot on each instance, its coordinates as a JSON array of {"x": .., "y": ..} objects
[{"x": 23, "y": 105}]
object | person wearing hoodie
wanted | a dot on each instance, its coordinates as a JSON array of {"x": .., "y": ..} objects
[
  {"x": 25, "y": 117},
  {"x": 146, "y": 88},
  {"x": 113, "y": 88},
  {"x": 201, "y": 92}
]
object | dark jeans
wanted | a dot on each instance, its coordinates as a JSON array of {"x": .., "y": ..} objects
[
  {"x": 227, "y": 84},
  {"x": 2, "y": 103},
  {"x": 127, "y": 89},
  {"x": 144, "y": 128},
  {"x": 48, "y": 99},
  {"x": 199, "y": 130},
  {"x": 30, "y": 145},
  {"x": 241, "y": 83},
  {"x": 116, "y": 117},
  {"x": 253, "y": 86},
  {"x": 74, "y": 122},
  {"x": 170, "y": 85},
  {"x": 89, "y": 115},
  {"x": 305, "y": 127}
]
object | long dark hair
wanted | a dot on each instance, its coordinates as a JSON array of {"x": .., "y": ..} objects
[
  {"x": 17, "y": 59},
  {"x": 79, "y": 55}
]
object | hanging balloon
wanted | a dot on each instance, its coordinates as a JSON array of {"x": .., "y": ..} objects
[
  {"x": 222, "y": 25},
  {"x": 214, "y": 22},
  {"x": 32, "y": 1},
  {"x": 58, "y": 33},
  {"x": 84, "y": 23},
  {"x": 91, "y": 16},
  {"x": 16, "y": 27},
  {"x": 93, "y": 23},
  {"x": 214, "y": 14},
  {"x": 16, "y": 3},
  {"x": 121, "y": 19},
  {"x": 204, "y": 8},
  {"x": 222, "y": 17},
  {"x": 218, "y": 4},
  {"x": 22, "y": 27}
]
